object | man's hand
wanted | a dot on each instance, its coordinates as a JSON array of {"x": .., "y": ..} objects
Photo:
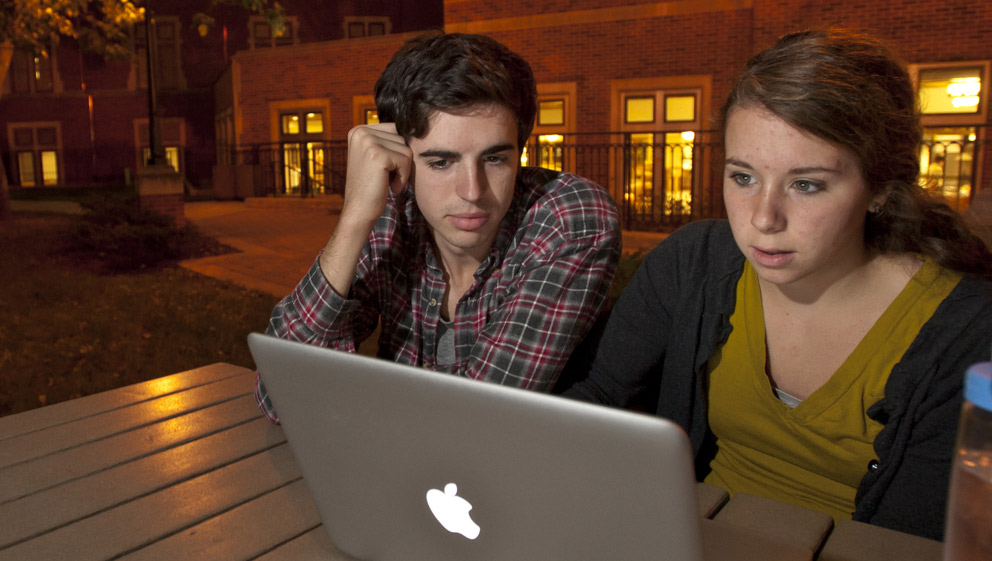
[{"x": 379, "y": 161}]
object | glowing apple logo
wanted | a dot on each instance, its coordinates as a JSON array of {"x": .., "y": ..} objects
[{"x": 452, "y": 511}]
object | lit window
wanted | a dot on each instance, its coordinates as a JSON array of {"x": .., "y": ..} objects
[
  {"x": 37, "y": 153},
  {"x": 551, "y": 112},
  {"x": 950, "y": 90},
  {"x": 291, "y": 124},
  {"x": 171, "y": 154},
  {"x": 303, "y": 122},
  {"x": 639, "y": 110},
  {"x": 315, "y": 122},
  {"x": 680, "y": 108},
  {"x": 171, "y": 141}
]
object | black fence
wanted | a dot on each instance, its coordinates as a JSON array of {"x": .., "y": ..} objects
[
  {"x": 296, "y": 169},
  {"x": 657, "y": 186},
  {"x": 660, "y": 180}
]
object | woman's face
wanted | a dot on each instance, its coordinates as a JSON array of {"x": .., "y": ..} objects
[{"x": 796, "y": 203}]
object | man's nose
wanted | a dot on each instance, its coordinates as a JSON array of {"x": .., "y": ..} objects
[{"x": 472, "y": 184}]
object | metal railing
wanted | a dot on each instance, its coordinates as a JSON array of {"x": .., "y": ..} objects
[
  {"x": 296, "y": 169},
  {"x": 658, "y": 186}
]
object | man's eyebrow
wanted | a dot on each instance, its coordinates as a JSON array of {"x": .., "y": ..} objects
[
  {"x": 497, "y": 149},
  {"x": 451, "y": 154},
  {"x": 437, "y": 153}
]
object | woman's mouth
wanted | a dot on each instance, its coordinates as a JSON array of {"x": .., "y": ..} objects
[{"x": 771, "y": 258}]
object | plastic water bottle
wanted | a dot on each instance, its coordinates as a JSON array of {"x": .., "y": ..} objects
[{"x": 969, "y": 508}]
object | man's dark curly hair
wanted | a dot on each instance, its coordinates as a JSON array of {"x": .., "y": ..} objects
[{"x": 452, "y": 72}]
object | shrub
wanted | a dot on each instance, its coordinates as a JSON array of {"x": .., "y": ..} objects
[{"x": 123, "y": 237}]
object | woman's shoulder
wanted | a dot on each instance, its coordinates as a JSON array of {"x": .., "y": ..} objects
[
  {"x": 698, "y": 251},
  {"x": 711, "y": 240}
]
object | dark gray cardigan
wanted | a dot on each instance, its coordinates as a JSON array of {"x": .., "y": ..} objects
[{"x": 652, "y": 353}]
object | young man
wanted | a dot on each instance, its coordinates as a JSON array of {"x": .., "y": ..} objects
[{"x": 471, "y": 264}]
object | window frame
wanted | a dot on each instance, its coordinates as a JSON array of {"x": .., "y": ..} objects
[
  {"x": 30, "y": 73},
  {"x": 360, "y": 105},
  {"x": 567, "y": 93},
  {"x": 141, "y": 144},
  {"x": 366, "y": 23},
  {"x": 979, "y": 117},
  {"x": 138, "y": 80},
  {"x": 287, "y": 39},
  {"x": 36, "y": 151}
]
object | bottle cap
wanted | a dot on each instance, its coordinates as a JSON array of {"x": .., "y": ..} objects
[{"x": 978, "y": 385}]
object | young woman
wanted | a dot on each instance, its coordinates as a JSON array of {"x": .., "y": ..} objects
[{"x": 814, "y": 344}]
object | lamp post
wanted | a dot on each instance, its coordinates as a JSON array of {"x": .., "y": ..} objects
[{"x": 151, "y": 55}]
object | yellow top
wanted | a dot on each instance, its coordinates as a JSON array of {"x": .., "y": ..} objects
[{"x": 814, "y": 454}]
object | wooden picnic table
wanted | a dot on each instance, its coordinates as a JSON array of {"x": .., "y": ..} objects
[{"x": 185, "y": 467}]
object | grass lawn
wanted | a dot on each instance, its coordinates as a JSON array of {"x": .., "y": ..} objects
[{"x": 70, "y": 330}]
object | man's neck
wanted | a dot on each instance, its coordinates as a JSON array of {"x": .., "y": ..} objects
[{"x": 459, "y": 275}]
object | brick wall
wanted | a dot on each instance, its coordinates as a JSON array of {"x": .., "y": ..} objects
[
  {"x": 592, "y": 43},
  {"x": 166, "y": 205},
  {"x": 333, "y": 70}
]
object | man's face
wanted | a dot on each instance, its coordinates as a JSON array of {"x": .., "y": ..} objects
[{"x": 464, "y": 171}]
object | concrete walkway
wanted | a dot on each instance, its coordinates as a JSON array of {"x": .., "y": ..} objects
[{"x": 278, "y": 239}]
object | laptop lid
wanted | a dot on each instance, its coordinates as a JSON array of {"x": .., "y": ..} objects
[{"x": 407, "y": 464}]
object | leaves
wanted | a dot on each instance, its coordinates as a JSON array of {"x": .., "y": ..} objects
[{"x": 100, "y": 25}]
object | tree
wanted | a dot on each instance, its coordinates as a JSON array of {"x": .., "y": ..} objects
[{"x": 100, "y": 26}]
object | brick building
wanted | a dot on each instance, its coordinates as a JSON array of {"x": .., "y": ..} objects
[
  {"x": 628, "y": 92},
  {"x": 73, "y": 119}
]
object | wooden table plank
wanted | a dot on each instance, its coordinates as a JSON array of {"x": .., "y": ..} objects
[
  {"x": 54, "y": 469},
  {"x": 314, "y": 545},
  {"x": 796, "y": 525},
  {"x": 724, "y": 541},
  {"x": 857, "y": 541},
  {"x": 169, "y": 514},
  {"x": 29, "y": 446},
  {"x": 710, "y": 499},
  {"x": 242, "y": 533},
  {"x": 38, "y": 513},
  {"x": 75, "y": 409}
]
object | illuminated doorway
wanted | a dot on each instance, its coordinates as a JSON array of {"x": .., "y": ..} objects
[
  {"x": 303, "y": 152},
  {"x": 659, "y": 154},
  {"x": 953, "y": 105}
]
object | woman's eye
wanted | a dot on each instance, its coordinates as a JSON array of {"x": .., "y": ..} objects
[
  {"x": 807, "y": 186},
  {"x": 742, "y": 178}
]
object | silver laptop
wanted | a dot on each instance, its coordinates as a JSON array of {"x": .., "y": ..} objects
[{"x": 410, "y": 465}]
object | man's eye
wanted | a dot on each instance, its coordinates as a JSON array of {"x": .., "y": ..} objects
[
  {"x": 495, "y": 159},
  {"x": 438, "y": 164}
]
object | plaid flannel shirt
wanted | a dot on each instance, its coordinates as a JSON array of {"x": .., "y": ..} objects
[{"x": 534, "y": 298}]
